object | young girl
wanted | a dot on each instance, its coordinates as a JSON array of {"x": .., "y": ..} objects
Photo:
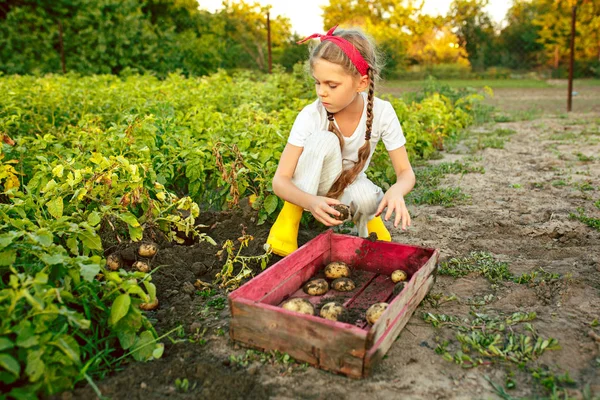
[{"x": 331, "y": 144}]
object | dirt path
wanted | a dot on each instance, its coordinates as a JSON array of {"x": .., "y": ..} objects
[{"x": 518, "y": 211}]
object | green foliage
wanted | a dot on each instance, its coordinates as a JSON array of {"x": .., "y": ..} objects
[
  {"x": 478, "y": 262},
  {"x": 581, "y": 215}
]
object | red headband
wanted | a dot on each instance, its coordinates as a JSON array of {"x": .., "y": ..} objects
[{"x": 353, "y": 54}]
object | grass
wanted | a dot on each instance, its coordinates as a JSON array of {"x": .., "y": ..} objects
[{"x": 427, "y": 190}]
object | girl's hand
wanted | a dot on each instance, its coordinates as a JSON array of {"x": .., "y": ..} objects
[
  {"x": 394, "y": 201},
  {"x": 320, "y": 208}
]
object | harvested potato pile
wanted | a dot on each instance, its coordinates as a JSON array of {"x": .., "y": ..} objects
[
  {"x": 301, "y": 306},
  {"x": 332, "y": 311},
  {"x": 375, "y": 311},
  {"x": 316, "y": 287},
  {"x": 337, "y": 269},
  {"x": 399, "y": 276},
  {"x": 343, "y": 285}
]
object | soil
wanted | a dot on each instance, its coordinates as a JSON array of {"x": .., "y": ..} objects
[{"x": 518, "y": 210}]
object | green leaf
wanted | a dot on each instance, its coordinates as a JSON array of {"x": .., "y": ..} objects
[
  {"x": 69, "y": 346},
  {"x": 119, "y": 308},
  {"x": 136, "y": 233},
  {"x": 55, "y": 207},
  {"x": 6, "y": 343},
  {"x": 10, "y": 364},
  {"x": 144, "y": 346},
  {"x": 26, "y": 336},
  {"x": 126, "y": 338},
  {"x": 35, "y": 366},
  {"x": 7, "y": 238},
  {"x": 43, "y": 236},
  {"x": 53, "y": 259},
  {"x": 129, "y": 219},
  {"x": 94, "y": 218},
  {"x": 270, "y": 203},
  {"x": 158, "y": 351},
  {"x": 90, "y": 240},
  {"x": 73, "y": 245},
  {"x": 89, "y": 271},
  {"x": 8, "y": 257}
]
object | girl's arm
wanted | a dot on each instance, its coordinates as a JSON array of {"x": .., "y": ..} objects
[
  {"x": 283, "y": 187},
  {"x": 394, "y": 197}
]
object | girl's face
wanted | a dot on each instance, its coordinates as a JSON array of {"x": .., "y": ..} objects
[{"x": 336, "y": 88}]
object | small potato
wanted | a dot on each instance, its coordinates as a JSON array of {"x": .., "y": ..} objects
[
  {"x": 375, "y": 311},
  {"x": 301, "y": 306},
  {"x": 337, "y": 269},
  {"x": 399, "y": 276},
  {"x": 331, "y": 311},
  {"x": 141, "y": 266},
  {"x": 113, "y": 262},
  {"x": 316, "y": 287},
  {"x": 149, "y": 306},
  {"x": 148, "y": 250},
  {"x": 343, "y": 284},
  {"x": 344, "y": 211}
]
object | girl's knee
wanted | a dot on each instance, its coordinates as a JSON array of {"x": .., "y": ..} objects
[{"x": 322, "y": 142}]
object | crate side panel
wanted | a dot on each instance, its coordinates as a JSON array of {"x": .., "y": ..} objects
[
  {"x": 376, "y": 353},
  {"x": 269, "y": 279},
  {"x": 380, "y": 257},
  {"x": 333, "y": 348},
  {"x": 399, "y": 302}
]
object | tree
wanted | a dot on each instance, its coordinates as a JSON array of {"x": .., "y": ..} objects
[{"x": 475, "y": 31}]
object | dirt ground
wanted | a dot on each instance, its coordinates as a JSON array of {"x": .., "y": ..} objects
[{"x": 518, "y": 210}]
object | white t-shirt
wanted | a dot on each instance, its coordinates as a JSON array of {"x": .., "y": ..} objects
[{"x": 313, "y": 118}]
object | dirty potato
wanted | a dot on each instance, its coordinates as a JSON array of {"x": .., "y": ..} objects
[
  {"x": 148, "y": 250},
  {"x": 343, "y": 284},
  {"x": 149, "y": 306},
  {"x": 344, "y": 211},
  {"x": 141, "y": 266},
  {"x": 301, "y": 306},
  {"x": 316, "y": 287},
  {"x": 375, "y": 311},
  {"x": 337, "y": 269},
  {"x": 331, "y": 311},
  {"x": 399, "y": 276},
  {"x": 113, "y": 262}
]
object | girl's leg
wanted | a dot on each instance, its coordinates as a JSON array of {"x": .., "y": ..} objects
[
  {"x": 363, "y": 197},
  {"x": 318, "y": 167}
]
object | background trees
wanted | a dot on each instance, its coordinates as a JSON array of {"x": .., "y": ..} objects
[{"x": 161, "y": 36}]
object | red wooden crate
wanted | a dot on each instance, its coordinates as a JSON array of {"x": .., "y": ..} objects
[{"x": 258, "y": 321}]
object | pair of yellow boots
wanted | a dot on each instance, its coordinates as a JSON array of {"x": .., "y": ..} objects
[{"x": 283, "y": 237}]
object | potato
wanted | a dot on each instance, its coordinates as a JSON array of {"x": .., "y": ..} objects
[
  {"x": 337, "y": 269},
  {"x": 148, "y": 250},
  {"x": 344, "y": 211},
  {"x": 375, "y": 311},
  {"x": 399, "y": 276},
  {"x": 343, "y": 284},
  {"x": 141, "y": 266},
  {"x": 298, "y": 305},
  {"x": 113, "y": 262},
  {"x": 331, "y": 311},
  {"x": 149, "y": 306},
  {"x": 316, "y": 287}
]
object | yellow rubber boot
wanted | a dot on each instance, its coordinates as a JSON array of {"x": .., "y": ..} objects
[
  {"x": 376, "y": 225},
  {"x": 283, "y": 237}
]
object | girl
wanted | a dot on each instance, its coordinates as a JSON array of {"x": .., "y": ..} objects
[{"x": 332, "y": 141}]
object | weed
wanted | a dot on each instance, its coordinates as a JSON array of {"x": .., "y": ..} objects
[
  {"x": 218, "y": 303},
  {"x": 593, "y": 223},
  {"x": 582, "y": 157},
  {"x": 226, "y": 276},
  {"x": 206, "y": 293},
  {"x": 435, "y": 300},
  {"x": 584, "y": 186},
  {"x": 182, "y": 385},
  {"x": 220, "y": 332},
  {"x": 479, "y": 262},
  {"x": 537, "y": 185},
  {"x": 516, "y": 186},
  {"x": 272, "y": 357},
  {"x": 559, "y": 183}
]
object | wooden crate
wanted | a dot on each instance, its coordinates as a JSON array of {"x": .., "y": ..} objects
[{"x": 258, "y": 321}]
